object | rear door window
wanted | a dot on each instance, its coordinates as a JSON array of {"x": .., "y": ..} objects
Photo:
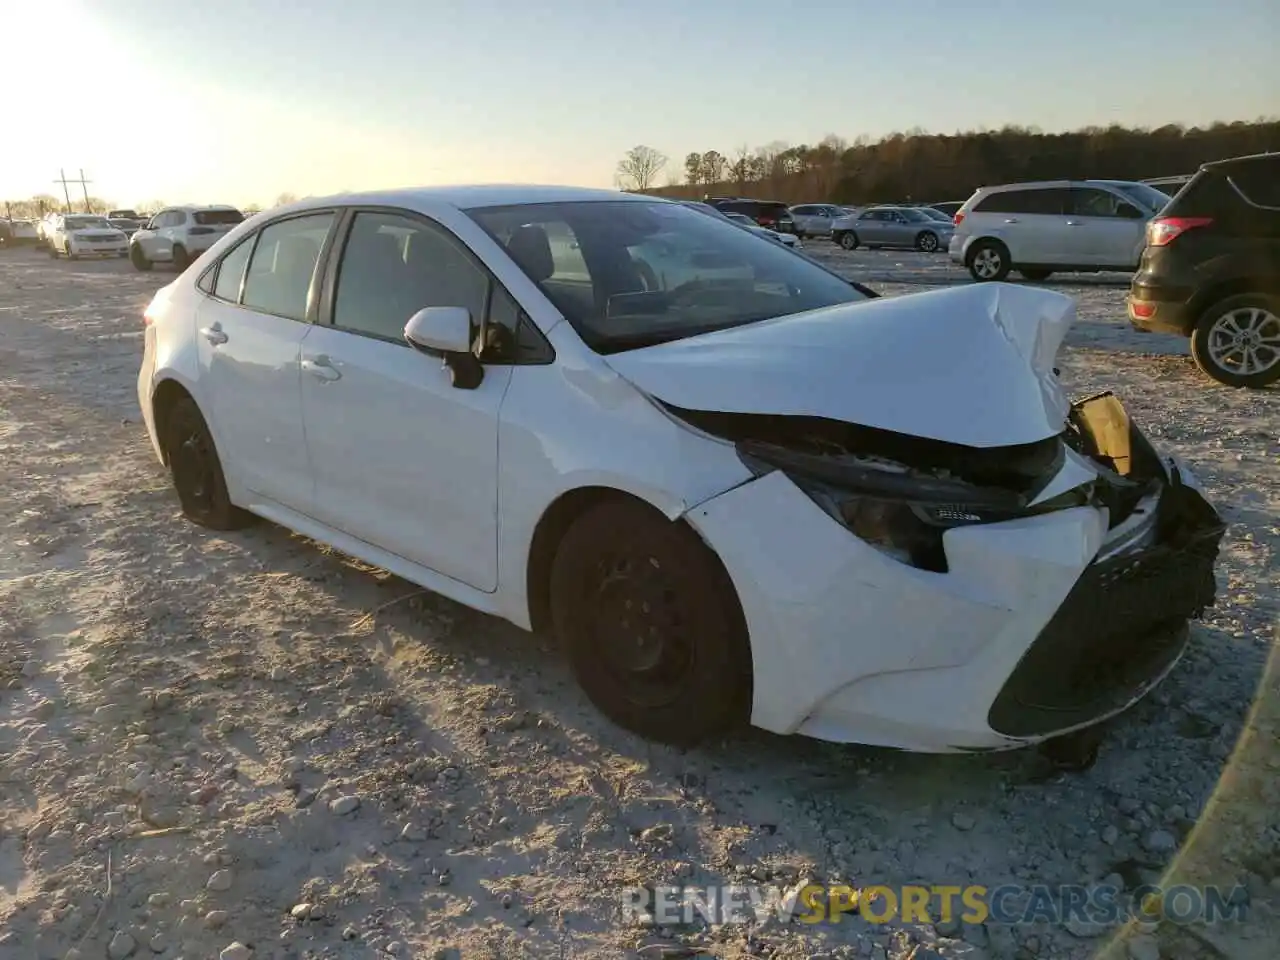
[
  {"x": 218, "y": 218},
  {"x": 279, "y": 277},
  {"x": 1046, "y": 200},
  {"x": 1092, "y": 202}
]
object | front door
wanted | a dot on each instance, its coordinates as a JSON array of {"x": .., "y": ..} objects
[
  {"x": 250, "y": 336},
  {"x": 403, "y": 459}
]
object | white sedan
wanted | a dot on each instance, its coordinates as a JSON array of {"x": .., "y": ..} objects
[
  {"x": 738, "y": 488},
  {"x": 83, "y": 235}
]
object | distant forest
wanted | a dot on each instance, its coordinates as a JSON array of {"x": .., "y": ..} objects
[{"x": 930, "y": 168}]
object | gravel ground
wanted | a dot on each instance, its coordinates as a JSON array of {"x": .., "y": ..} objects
[{"x": 227, "y": 745}]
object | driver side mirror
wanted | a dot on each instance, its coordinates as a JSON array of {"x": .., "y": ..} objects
[{"x": 446, "y": 332}]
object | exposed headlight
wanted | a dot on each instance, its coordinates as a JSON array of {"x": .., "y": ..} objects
[{"x": 901, "y": 512}]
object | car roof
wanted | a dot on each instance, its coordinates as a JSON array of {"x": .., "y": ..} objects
[
  {"x": 1240, "y": 161},
  {"x": 1050, "y": 184},
  {"x": 195, "y": 207},
  {"x": 471, "y": 196}
]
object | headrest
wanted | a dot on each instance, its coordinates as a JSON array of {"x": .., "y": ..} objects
[{"x": 530, "y": 248}]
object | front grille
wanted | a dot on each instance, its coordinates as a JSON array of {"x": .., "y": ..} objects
[{"x": 1120, "y": 626}]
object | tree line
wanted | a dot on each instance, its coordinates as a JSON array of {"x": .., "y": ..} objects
[{"x": 924, "y": 167}]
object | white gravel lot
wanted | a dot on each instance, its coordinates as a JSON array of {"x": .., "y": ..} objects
[{"x": 185, "y": 718}]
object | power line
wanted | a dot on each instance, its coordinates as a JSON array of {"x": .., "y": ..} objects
[{"x": 84, "y": 185}]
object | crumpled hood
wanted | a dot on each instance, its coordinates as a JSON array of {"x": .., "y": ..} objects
[{"x": 970, "y": 365}]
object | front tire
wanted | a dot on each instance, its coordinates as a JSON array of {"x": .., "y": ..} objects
[
  {"x": 651, "y": 625},
  {"x": 138, "y": 258},
  {"x": 197, "y": 471},
  {"x": 927, "y": 241},
  {"x": 849, "y": 240},
  {"x": 988, "y": 260},
  {"x": 1237, "y": 340}
]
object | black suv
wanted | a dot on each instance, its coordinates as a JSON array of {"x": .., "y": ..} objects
[
  {"x": 767, "y": 213},
  {"x": 1211, "y": 270}
]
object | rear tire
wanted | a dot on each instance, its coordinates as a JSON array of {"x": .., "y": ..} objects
[
  {"x": 138, "y": 258},
  {"x": 197, "y": 471},
  {"x": 927, "y": 241},
  {"x": 849, "y": 240},
  {"x": 651, "y": 625},
  {"x": 1243, "y": 326},
  {"x": 988, "y": 260},
  {"x": 181, "y": 259},
  {"x": 1035, "y": 276}
]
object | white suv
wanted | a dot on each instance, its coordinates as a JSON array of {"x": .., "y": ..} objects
[
  {"x": 1037, "y": 228},
  {"x": 178, "y": 235}
]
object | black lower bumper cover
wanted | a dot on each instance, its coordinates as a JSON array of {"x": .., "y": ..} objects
[{"x": 1121, "y": 626}]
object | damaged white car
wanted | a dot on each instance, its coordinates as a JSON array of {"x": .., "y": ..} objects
[{"x": 736, "y": 486}]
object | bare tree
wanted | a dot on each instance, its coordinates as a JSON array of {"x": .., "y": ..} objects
[
  {"x": 640, "y": 168},
  {"x": 97, "y": 205},
  {"x": 286, "y": 198}
]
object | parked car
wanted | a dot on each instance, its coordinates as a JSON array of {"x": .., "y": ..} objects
[
  {"x": 769, "y": 214},
  {"x": 123, "y": 215},
  {"x": 43, "y": 227},
  {"x": 949, "y": 207},
  {"x": 877, "y": 227},
  {"x": 6, "y": 233},
  {"x": 722, "y": 495},
  {"x": 23, "y": 231},
  {"x": 786, "y": 239},
  {"x": 935, "y": 214},
  {"x": 178, "y": 235},
  {"x": 1211, "y": 270},
  {"x": 1040, "y": 228},
  {"x": 125, "y": 225},
  {"x": 815, "y": 219},
  {"x": 76, "y": 235}
]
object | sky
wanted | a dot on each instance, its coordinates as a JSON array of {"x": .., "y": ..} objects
[{"x": 238, "y": 101}]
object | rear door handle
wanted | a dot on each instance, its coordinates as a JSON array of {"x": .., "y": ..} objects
[
  {"x": 1073, "y": 223},
  {"x": 1012, "y": 220},
  {"x": 321, "y": 368},
  {"x": 214, "y": 334}
]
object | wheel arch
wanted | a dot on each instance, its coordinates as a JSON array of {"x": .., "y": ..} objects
[
  {"x": 164, "y": 398},
  {"x": 555, "y": 522},
  {"x": 1207, "y": 296}
]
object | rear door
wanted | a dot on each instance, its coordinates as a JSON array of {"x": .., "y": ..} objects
[
  {"x": 1032, "y": 223},
  {"x": 1107, "y": 229},
  {"x": 870, "y": 227},
  {"x": 250, "y": 334}
]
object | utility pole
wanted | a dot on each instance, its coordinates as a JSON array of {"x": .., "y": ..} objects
[{"x": 66, "y": 192}]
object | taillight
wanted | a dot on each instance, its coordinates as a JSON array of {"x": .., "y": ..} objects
[
  {"x": 958, "y": 219},
  {"x": 1162, "y": 231}
]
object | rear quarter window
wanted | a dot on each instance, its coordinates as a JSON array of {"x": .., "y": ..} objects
[{"x": 1260, "y": 183}]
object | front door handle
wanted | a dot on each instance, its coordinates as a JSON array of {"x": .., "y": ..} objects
[
  {"x": 214, "y": 334},
  {"x": 321, "y": 368},
  {"x": 1012, "y": 220},
  {"x": 1073, "y": 223}
]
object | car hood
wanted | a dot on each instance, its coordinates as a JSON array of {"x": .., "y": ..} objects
[{"x": 969, "y": 365}]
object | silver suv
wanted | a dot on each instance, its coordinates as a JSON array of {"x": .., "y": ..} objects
[{"x": 1039, "y": 228}]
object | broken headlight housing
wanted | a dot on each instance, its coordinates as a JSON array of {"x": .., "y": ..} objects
[{"x": 898, "y": 510}]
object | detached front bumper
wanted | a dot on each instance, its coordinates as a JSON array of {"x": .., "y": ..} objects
[{"x": 1042, "y": 625}]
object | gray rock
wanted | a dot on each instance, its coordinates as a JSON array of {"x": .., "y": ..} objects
[
  {"x": 962, "y": 821},
  {"x": 235, "y": 951},
  {"x": 1160, "y": 841},
  {"x": 121, "y": 945},
  {"x": 159, "y": 943},
  {"x": 1143, "y": 947},
  {"x": 1110, "y": 834},
  {"x": 215, "y": 919},
  {"x": 1085, "y": 929},
  {"x": 341, "y": 806},
  {"x": 220, "y": 880}
]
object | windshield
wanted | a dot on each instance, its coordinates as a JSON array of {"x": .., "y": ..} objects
[
  {"x": 217, "y": 218},
  {"x": 740, "y": 218},
  {"x": 630, "y": 274},
  {"x": 1145, "y": 194},
  {"x": 86, "y": 223}
]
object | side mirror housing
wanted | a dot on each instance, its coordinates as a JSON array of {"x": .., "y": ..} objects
[{"x": 446, "y": 332}]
